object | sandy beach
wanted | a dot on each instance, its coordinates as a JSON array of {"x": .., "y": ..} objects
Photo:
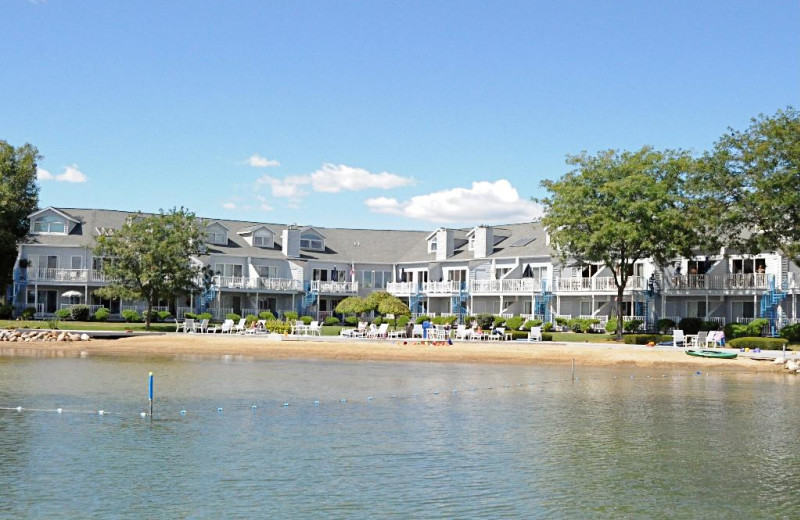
[{"x": 499, "y": 352}]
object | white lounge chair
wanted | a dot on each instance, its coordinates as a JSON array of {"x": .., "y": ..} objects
[
  {"x": 378, "y": 332},
  {"x": 357, "y": 332},
  {"x": 418, "y": 331},
  {"x": 239, "y": 327},
  {"x": 713, "y": 338},
  {"x": 201, "y": 326},
  {"x": 535, "y": 334},
  {"x": 188, "y": 325},
  {"x": 678, "y": 339},
  {"x": 700, "y": 339},
  {"x": 314, "y": 328},
  {"x": 227, "y": 326},
  {"x": 462, "y": 332}
]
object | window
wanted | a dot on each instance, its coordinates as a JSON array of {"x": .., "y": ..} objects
[
  {"x": 311, "y": 242},
  {"x": 319, "y": 275},
  {"x": 266, "y": 271},
  {"x": 748, "y": 265},
  {"x": 48, "y": 262},
  {"x": 696, "y": 309},
  {"x": 216, "y": 237},
  {"x": 77, "y": 262},
  {"x": 432, "y": 245},
  {"x": 459, "y": 275},
  {"x": 50, "y": 224},
  {"x": 697, "y": 266},
  {"x": 744, "y": 309},
  {"x": 471, "y": 245},
  {"x": 262, "y": 240},
  {"x": 230, "y": 269},
  {"x": 587, "y": 271}
]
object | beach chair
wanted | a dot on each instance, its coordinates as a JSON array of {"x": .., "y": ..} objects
[
  {"x": 418, "y": 331},
  {"x": 201, "y": 326},
  {"x": 378, "y": 332},
  {"x": 357, "y": 332},
  {"x": 699, "y": 340},
  {"x": 498, "y": 334},
  {"x": 188, "y": 325},
  {"x": 397, "y": 333},
  {"x": 227, "y": 326},
  {"x": 712, "y": 340},
  {"x": 678, "y": 339},
  {"x": 298, "y": 327},
  {"x": 239, "y": 327},
  {"x": 535, "y": 334},
  {"x": 463, "y": 333},
  {"x": 315, "y": 328}
]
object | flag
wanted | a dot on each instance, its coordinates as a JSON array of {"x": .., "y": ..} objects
[{"x": 352, "y": 272}]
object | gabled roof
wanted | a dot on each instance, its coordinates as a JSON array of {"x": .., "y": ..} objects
[
  {"x": 252, "y": 229},
  {"x": 434, "y": 233},
  {"x": 217, "y": 222},
  {"x": 54, "y": 210},
  {"x": 312, "y": 228}
]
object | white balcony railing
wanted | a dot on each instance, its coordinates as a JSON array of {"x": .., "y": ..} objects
[
  {"x": 449, "y": 287},
  {"x": 510, "y": 286},
  {"x": 334, "y": 287},
  {"x": 66, "y": 275},
  {"x": 402, "y": 288},
  {"x": 255, "y": 283},
  {"x": 598, "y": 284}
]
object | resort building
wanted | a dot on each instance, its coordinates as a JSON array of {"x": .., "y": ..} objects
[{"x": 506, "y": 269}]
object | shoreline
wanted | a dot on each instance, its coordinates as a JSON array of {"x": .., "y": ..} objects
[{"x": 387, "y": 350}]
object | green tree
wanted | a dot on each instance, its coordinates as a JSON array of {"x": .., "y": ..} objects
[
  {"x": 352, "y": 305},
  {"x": 150, "y": 257},
  {"x": 384, "y": 303},
  {"x": 616, "y": 208},
  {"x": 750, "y": 186},
  {"x": 19, "y": 197}
]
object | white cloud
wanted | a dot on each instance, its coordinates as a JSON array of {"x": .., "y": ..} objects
[
  {"x": 290, "y": 187},
  {"x": 264, "y": 206},
  {"x": 229, "y": 205},
  {"x": 72, "y": 174},
  {"x": 43, "y": 175},
  {"x": 333, "y": 178},
  {"x": 257, "y": 161},
  {"x": 489, "y": 202}
]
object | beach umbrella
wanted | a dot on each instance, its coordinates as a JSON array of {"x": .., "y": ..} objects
[
  {"x": 72, "y": 294},
  {"x": 401, "y": 274},
  {"x": 334, "y": 275},
  {"x": 528, "y": 272}
]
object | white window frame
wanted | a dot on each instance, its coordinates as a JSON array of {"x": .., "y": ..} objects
[
  {"x": 312, "y": 242},
  {"x": 72, "y": 262},
  {"x": 432, "y": 245},
  {"x": 45, "y": 224},
  {"x": 265, "y": 240}
]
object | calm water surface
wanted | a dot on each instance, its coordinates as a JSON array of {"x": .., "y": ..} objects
[{"x": 477, "y": 441}]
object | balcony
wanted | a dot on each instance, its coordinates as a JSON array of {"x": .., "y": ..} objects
[
  {"x": 71, "y": 276},
  {"x": 257, "y": 283},
  {"x": 598, "y": 284},
  {"x": 324, "y": 287},
  {"x": 511, "y": 286}
]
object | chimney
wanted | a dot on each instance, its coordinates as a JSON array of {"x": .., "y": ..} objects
[
  {"x": 444, "y": 244},
  {"x": 291, "y": 241},
  {"x": 483, "y": 244}
]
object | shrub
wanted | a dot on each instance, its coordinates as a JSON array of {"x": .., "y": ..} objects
[
  {"x": 514, "y": 323},
  {"x": 402, "y": 321},
  {"x": 28, "y": 313},
  {"x": 233, "y": 316},
  {"x": 485, "y": 321},
  {"x": 791, "y": 332},
  {"x": 279, "y": 327},
  {"x": 582, "y": 324},
  {"x": 421, "y": 319},
  {"x": 762, "y": 343},
  {"x": 6, "y": 312},
  {"x": 63, "y": 314},
  {"x": 632, "y": 325},
  {"x": 665, "y": 324},
  {"x": 250, "y": 318},
  {"x": 521, "y": 334},
  {"x": 742, "y": 330},
  {"x": 562, "y": 322},
  {"x": 190, "y": 315},
  {"x": 204, "y": 316},
  {"x": 690, "y": 325},
  {"x": 52, "y": 322},
  {"x": 266, "y": 315},
  {"x": 611, "y": 325},
  {"x": 331, "y": 320},
  {"x": 531, "y": 324},
  {"x": 439, "y": 320},
  {"x": 153, "y": 316},
  {"x": 709, "y": 325},
  {"x": 644, "y": 339},
  {"x": 290, "y": 315},
  {"x": 306, "y": 320},
  {"x": 547, "y": 327},
  {"x": 101, "y": 314},
  {"x": 130, "y": 316},
  {"x": 164, "y": 315},
  {"x": 351, "y": 321},
  {"x": 498, "y": 321}
]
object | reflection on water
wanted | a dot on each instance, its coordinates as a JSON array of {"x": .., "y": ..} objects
[{"x": 474, "y": 442}]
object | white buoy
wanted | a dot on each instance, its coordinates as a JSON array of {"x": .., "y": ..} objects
[
  {"x": 285, "y": 405},
  {"x": 343, "y": 401},
  {"x": 183, "y": 412},
  {"x": 253, "y": 407},
  {"x": 19, "y": 408},
  {"x": 316, "y": 403},
  {"x": 219, "y": 409},
  {"x": 435, "y": 392},
  {"x": 370, "y": 398},
  {"x": 59, "y": 410},
  {"x": 142, "y": 415},
  {"x": 100, "y": 412}
]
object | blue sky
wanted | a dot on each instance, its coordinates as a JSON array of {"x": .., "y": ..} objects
[{"x": 372, "y": 114}]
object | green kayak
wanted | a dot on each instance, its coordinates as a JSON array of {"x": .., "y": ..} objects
[{"x": 712, "y": 354}]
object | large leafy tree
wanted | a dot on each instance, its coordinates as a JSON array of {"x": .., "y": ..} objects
[
  {"x": 150, "y": 257},
  {"x": 750, "y": 185},
  {"x": 19, "y": 197},
  {"x": 615, "y": 208}
]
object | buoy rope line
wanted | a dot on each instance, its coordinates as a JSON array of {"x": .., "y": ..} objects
[{"x": 369, "y": 399}]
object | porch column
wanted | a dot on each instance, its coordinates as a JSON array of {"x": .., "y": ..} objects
[
  {"x": 501, "y": 303},
  {"x": 755, "y": 306},
  {"x": 706, "y": 318}
]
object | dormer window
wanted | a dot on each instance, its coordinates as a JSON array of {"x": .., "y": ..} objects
[
  {"x": 432, "y": 244},
  {"x": 262, "y": 240},
  {"x": 309, "y": 241},
  {"x": 50, "y": 224},
  {"x": 216, "y": 237}
]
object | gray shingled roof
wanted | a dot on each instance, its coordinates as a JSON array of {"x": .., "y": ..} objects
[{"x": 342, "y": 245}]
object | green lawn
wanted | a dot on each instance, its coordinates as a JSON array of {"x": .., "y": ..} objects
[{"x": 87, "y": 325}]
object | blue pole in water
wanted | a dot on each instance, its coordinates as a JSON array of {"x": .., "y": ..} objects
[{"x": 151, "y": 395}]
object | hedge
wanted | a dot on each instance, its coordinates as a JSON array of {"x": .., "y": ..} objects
[
  {"x": 521, "y": 334},
  {"x": 762, "y": 343},
  {"x": 644, "y": 339}
]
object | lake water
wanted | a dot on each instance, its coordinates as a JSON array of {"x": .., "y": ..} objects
[{"x": 477, "y": 441}]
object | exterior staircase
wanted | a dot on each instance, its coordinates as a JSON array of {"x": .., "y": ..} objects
[
  {"x": 16, "y": 291},
  {"x": 457, "y": 303},
  {"x": 541, "y": 303},
  {"x": 771, "y": 300}
]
